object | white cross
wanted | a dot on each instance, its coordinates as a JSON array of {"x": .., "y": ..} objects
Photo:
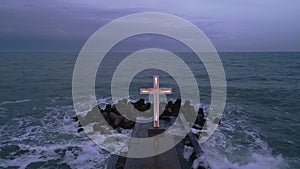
[{"x": 156, "y": 91}]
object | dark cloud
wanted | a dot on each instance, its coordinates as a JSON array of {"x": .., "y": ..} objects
[{"x": 231, "y": 25}]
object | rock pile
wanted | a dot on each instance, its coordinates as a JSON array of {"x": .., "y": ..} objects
[
  {"x": 112, "y": 116},
  {"x": 116, "y": 120},
  {"x": 172, "y": 109},
  {"x": 140, "y": 105}
]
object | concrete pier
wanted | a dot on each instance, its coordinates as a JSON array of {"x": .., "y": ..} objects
[{"x": 165, "y": 160}]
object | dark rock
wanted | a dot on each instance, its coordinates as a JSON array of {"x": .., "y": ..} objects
[
  {"x": 105, "y": 115},
  {"x": 197, "y": 135},
  {"x": 115, "y": 120},
  {"x": 217, "y": 121},
  {"x": 176, "y": 107},
  {"x": 167, "y": 112},
  {"x": 92, "y": 116},
  {"x": 122, "y": 108},
  {"x": 113, "y": 116},
  {"x": 107, "y": 108},
  {"x": 141, "y": 106},
  {"x": 75, "y": 118},
  {"x": 155, "y": 131},
  {"x": 118, "y": 121},
  {"x": 101, "y": 110},
  {"x": 170, "y": 103},
  {"x": 197, "y": 126},
  {"x": 188, "y": 142},
  {"x": 115, "y": 110},
  {"x": 166, "y": 118},
  {"x": 202, "y": 122},
  {"x": 148, "y": 106},
  {"x": 123, "y": 101},
  {"x": 127, "y": 124},
  {"x": 193, "y": 156},
  {"x": 201, "y": 113},
  {"x": 162, "y": 106},
  {"x": 187, "y": 109},
  {"x": 79, "y": 130}
]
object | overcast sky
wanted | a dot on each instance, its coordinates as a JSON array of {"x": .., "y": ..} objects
[{"x": 232, "y": 25}]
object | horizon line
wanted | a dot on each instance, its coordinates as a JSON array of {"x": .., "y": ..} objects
[{"x": 72, "y": 51}]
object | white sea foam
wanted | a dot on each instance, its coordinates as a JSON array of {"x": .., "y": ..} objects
[
  {"x": 236, "y": 145},
  {"x": 14, "y": 102},
  {"x": 187, "y": 152},
  {"x": 222, "y": 151},
  {"x": 47, "y": 137},
  {"x": 76, "y": 155}
]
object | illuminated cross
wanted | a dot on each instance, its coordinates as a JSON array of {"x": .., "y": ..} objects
[{"x": 156, "y": 91}]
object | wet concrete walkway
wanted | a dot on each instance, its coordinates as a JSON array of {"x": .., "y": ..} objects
[{"x": 165, "y": 160}]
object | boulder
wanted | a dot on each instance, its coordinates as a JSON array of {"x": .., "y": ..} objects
[
  {"x": 176, "y": 107},
  {"x": 202, "y": 122},
  {"x": 169, "y": 109},
  {"x": 80, "y": 130},
  {"x": 187, "y": 110},
  {"x": 106, "y": 116},
  {"x": 127, "y": 124},
  {"x": 165, "y": 118},
  {"x": 118, "y": 120},
  {"x": 200, "y": 113},
  {"x": 141, "y": 106},
  {"x": 91, "y": 117},
  {"x": 75, "y": 118},
  {"x": 217, "y": 121},
  {"x": 147, "y": 106},
  {"x": 113, "y": 116}
]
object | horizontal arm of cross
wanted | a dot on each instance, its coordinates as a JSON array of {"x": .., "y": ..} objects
[
  {"x": 146, "y": 91},
  {"x": 165, "y": 91},
  {"x": 159, "y": 91}
]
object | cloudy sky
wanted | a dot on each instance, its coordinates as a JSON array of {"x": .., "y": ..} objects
[{"x": 232, "y": 25}]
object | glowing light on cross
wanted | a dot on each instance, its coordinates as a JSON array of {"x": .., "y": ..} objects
[{"x": 156, "y": 91}]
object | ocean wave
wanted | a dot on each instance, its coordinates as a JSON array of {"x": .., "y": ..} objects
[
  {"x": 72, "y": 155},
  {"x": 237, "y": 145},
  {"x": 14, "y": 102},
  {"x": 49, "y": 141}
]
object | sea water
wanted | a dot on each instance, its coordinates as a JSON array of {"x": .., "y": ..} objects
[{"x": 260, "y": 126}]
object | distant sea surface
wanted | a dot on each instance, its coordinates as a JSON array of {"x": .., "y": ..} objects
[{"x": 260, "y": 126}]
